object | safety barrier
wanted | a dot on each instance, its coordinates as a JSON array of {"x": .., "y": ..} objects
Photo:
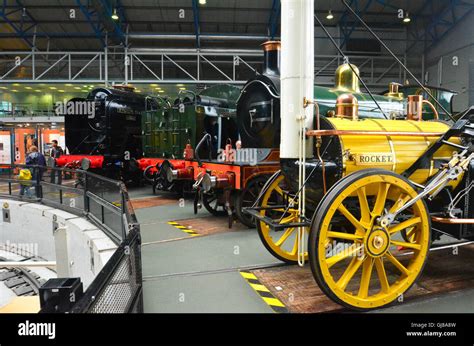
[{"x": 117, "y": 288}]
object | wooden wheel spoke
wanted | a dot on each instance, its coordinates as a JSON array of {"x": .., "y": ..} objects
[
  {"x": 381, "y": 198},
  {"x": 404, "y": 224},
  {"x": 287, "y": 219},
  {"x": 413, "y": 246},
  {"x": 351, "y": 218},
  {"x": 350, "y": 271},
  {"x": 350, "y": 251},
  {"x": 364, "y": 205},
  {"x": 399, "y": 203},
  {"x": 342, "y": 235},
  {"x": 279, "y": 190},
  {"x": 284, "y": 236},
  {"x": 367, "y": 268},
  {"x": 384, "y": 285},
  {"x": 397, "y": 264}
]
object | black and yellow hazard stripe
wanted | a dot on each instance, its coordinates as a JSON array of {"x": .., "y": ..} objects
[
  {"x": 183, "y": 228},
  {"x": 264, "y": 293}
]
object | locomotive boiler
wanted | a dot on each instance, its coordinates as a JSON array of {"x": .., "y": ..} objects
[{"x": 360, "y": 198}]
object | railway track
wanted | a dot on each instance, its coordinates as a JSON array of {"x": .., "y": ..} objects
[{"x": 21, "y": 281}]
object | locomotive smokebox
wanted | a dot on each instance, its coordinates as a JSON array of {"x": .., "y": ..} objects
[
  {"x": 297, "y": 73},
  {"x": 271, "y": 58}
]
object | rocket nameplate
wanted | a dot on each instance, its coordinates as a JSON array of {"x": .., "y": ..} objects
[{"x": 370, "y": 159}]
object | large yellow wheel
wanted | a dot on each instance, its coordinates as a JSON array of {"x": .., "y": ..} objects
[
  {"x": 283, "y": 244},
  {"x": 354, "y": 259}
]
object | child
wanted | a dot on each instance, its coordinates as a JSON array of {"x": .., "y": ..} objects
[{"x": 25, "y": 182}]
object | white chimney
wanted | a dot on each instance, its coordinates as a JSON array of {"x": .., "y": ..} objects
[{"x": 297, "y": 73}]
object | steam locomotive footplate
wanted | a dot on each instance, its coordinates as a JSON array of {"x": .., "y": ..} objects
[
  {"x": 296, "y": 288},
  {"x": 211, "y": 225},
  {"x": 141, "y": 203}
]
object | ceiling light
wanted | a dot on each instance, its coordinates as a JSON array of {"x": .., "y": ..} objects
[
  {"x": 161, "y": 91},
  {"x": 182, "y": 88},
  {"x": 407, "y": 18},
  {"x": 77, "y": 88},
  {"x": 68, "y": 84},
  {"x": 38, "y": 91},
  {"x": 16, "y": 84},
  {"x": 330, "y": 15},
  {"x": 15, "y": 91},
  {"x": 115, "y": 15},
  {"x": 53, "y": 88},
  {"x": 29, "y": 88},
  {"x": 61, "y": 91},
  {"x": 202, "y": 2}
]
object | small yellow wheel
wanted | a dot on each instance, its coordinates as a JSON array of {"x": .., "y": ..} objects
[
  {"x": 354, "y": 258},
  {"x": 283, "y": 244}
]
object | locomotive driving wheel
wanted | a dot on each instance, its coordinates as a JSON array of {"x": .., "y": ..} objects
[
  {"x": 247, "y": 197},
  {"x": 282, "y": 243},
  {"x": 353, "y": 251}
]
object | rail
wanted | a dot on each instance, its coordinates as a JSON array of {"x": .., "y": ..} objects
[{"x": 105, "y": 202}]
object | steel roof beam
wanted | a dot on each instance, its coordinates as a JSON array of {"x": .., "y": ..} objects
[
  {"x": 19, "y": 30},
  {"x": 274, "y": 19},
  {"x": 95, "y": 26}
]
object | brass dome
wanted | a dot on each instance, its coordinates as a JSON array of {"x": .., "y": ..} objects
[{"x": 346, "y": 79}]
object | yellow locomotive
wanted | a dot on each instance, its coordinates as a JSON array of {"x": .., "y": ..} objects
[{"x": 361, "y": 199}]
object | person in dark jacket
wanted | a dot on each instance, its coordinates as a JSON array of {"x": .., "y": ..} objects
[
  {"x": 36, "y": 158},
  {"x": 56, "y": 152}
]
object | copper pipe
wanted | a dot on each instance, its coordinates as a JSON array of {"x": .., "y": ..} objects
[
  {"x": 318, "y": 147},
  {"x": 436, "y": 114},
  {"x": 314, "y": 133},
  {"x": 451, "y": 220}
]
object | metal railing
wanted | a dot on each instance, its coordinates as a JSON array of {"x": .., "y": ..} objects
[{"x": 106, "y": 203}]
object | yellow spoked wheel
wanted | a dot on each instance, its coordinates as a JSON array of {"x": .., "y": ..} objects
[
  {"x": 284, "y": 243},
  {"x": 355, "y": 260}
]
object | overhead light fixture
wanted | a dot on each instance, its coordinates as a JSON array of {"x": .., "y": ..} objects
[
  {"x": 407, "y": 18},
  {"x": 115, "y": 15},
  {"x": 330, "y": 15},
  {"x": 202, "y": 2}
]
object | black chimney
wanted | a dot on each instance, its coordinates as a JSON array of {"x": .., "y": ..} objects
[{"x": 271, "y": 58}]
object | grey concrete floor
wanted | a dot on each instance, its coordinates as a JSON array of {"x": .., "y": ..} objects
[{"x": 201, "y": 274}]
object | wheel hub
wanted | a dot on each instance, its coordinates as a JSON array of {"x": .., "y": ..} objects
[{"x": 377, "y": 242}]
